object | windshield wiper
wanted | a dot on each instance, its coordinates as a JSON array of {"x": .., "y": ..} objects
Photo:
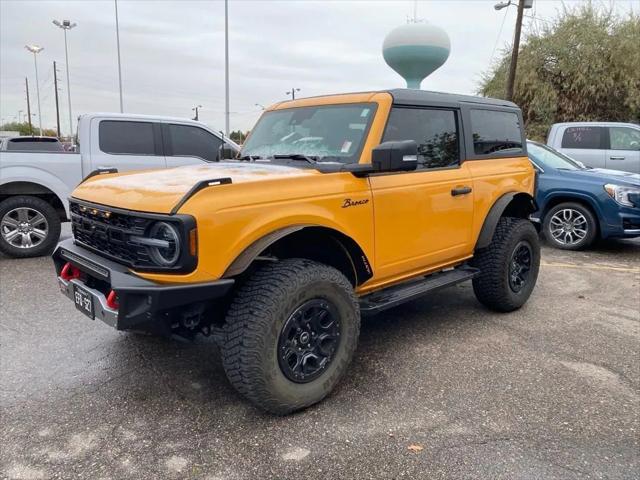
[
  {"x": 250, "y": 158},
  {"x": 298, "y": 156}
]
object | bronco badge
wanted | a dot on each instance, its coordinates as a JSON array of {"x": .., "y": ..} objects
[{"x": 354, "y": 203}]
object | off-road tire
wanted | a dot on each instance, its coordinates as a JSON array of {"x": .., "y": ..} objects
[
  {"x": 257, "y": 314},
  {"x": 492, "y": 287},
  {"x": 592, "y": 226},
  {"x": 46, "y": 246}
]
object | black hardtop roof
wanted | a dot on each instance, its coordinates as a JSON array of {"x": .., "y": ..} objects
[{"x": 411, "y": 96}]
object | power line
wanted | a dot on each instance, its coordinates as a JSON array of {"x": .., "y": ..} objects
[{"x": 504, "y": 18}]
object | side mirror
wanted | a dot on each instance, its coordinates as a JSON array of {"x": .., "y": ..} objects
[
  {"x": 395, "y": 156},
  {"x": 226, "y": 152}
]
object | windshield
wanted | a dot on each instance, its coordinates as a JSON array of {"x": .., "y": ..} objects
[
  {"x": 331, "y": 133},
  {"x": 546, "y": 157}
]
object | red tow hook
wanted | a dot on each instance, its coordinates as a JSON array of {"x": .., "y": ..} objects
[
  {"x": 69, "y": 272},
  {"x": 112, "y": 300}
]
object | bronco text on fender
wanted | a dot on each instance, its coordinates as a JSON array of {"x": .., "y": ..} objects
[{"x": 336, "y": 207}]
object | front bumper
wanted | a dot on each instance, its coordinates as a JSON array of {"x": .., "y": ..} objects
[{"x": 141, "y": 302}]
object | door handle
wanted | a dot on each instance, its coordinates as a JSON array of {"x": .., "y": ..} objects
[
  {"x": 460, "y": 191},
  {"x": 616, "y": 158}
]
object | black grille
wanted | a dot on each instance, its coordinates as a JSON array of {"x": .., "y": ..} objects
[{"x": 108, "y": 233}]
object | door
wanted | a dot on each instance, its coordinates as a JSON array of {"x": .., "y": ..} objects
[
  {"x": 587, "y": 144},
  {"x": 126, "y": 145},
  {"x": 189, "y": 145},
  {"x": 423, "y": 218},
  {"x": 624, "y": 149}
]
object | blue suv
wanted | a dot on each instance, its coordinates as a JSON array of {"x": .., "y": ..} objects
[{"x": 577, "y": 204}]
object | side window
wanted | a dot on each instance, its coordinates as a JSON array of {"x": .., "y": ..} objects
[
  {"x": 189, "y": 141},
  {"x": 585, "y": 138},
  {"x": 624, "y": 138},
  {"x": 435, "y": 131},
  {"x": 124, "y": 137},
  {"x": 495, "y": 131}
]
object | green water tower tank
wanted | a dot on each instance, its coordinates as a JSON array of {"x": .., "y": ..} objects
[{"x": 416, "y": 50}]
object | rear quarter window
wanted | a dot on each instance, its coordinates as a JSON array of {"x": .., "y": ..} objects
[
  {"x": 496, "y": 131},
  {"x": 585, "y": 138}
]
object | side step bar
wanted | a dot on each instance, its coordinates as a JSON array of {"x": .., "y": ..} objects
[{"x": 381, "y": 300}]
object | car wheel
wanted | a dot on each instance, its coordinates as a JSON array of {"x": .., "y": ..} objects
[
  {"x": 570, "y": 226},
  {"x": 29, "y": 227},
  {"x": 508, "y": 266},
  {"x": 290, "y": 334}
]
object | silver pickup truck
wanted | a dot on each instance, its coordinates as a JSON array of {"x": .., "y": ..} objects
[
  {"x": 35, "y": 184},
  {"x": 610, "y": 145}
]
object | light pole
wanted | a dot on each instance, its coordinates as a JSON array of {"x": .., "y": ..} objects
[
  {"x": 522, "y": 4},
  {"x": 195, "y": 109},
  {"x": 226, "y": 66},
  {"x": 293, "y": 93},
  {"x": 259, "y": 105},
  {"x": 115, "y": 2},
  {"x": 35, "y": 49},
  {"x": 20, "y": 116},
  {"x": 67, "y": 25}
]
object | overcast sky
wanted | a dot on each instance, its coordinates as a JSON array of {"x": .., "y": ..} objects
[{"x": 173, "y": 51}]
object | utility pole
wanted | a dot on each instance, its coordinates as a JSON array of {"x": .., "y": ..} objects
[
  {"x": 119, "y": 63},
  {"x": 195, "y": 109},
  {"x": 226, "y": 67},
  {"x": 514, "y": 53},
  {"x": 26, "y": 83},
  {"x": 55, "y": 87}
]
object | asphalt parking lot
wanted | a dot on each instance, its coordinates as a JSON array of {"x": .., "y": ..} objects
[{"x": 440, "y": 388}]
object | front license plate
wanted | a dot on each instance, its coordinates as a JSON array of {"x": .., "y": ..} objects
[{"x": 83, "y": 301}]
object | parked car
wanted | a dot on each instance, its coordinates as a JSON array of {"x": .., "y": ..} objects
[
  {"x": 577, "y": 204},
  {"x": 35, "y": 182},
  {"x": 278, "y": 253},
  {"x": 31, "y": 144},
  {"x": 611, "y": 145}
]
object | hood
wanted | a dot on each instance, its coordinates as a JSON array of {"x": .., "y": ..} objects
[
  {"x": 158, "y": 191},
  {"x": 606, "y": 176}
]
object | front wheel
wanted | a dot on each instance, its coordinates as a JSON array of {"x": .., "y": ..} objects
[
  {"x": 508, "y": 266},
  {"x": 29, "y": 227},
  {"x": 290, "y": 334},
  {"x": 570, "y": 226}
]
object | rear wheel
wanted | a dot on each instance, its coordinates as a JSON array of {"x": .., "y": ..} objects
[
  {"x": 29, "y": 227},
  {"x": 290, "y": 334},
  {"x": 508, "y": 266},
  {"x": 570, "y": 226}
]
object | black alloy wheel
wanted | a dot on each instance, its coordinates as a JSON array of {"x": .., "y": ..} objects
[{"x": 308, "y": 340}]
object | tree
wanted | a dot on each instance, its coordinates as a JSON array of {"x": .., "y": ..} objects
[
  {"x": 238, "y": 136},
  {"x": 23, "y": 128},
  {"x": 582, "y": 67}
]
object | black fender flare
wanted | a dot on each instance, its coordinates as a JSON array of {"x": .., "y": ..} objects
[
  {"x": 249, "y": 254},
  {"x": 497, "y": 210}
]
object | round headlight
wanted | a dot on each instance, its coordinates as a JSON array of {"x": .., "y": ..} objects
[{"x": 167, "y": 250}]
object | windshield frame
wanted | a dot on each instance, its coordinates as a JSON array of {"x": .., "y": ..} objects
[
  {"x": 346, "y": 160},
  {"x": 542, "y": 165}
]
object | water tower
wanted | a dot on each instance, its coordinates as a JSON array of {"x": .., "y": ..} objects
[{"x": 416, "y": 50}]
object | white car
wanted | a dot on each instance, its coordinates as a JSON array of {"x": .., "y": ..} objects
[{"x": 35, "y": 184}]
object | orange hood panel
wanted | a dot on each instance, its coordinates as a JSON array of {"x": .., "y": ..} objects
[{"x": 158, "y": 191}]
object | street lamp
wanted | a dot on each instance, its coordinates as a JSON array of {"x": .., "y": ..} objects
[
  {"x": 196, "y": 118},
  {"x": 293, "y": 93},
  {"x": 522, "y": 4},
  {"x": 35, "y": 49},
  {"x": 259, "y": 105},
  {"x": 67, "y": 25}
]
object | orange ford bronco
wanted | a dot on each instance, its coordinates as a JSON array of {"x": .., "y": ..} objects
[{"x": 336, "y": 207}]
